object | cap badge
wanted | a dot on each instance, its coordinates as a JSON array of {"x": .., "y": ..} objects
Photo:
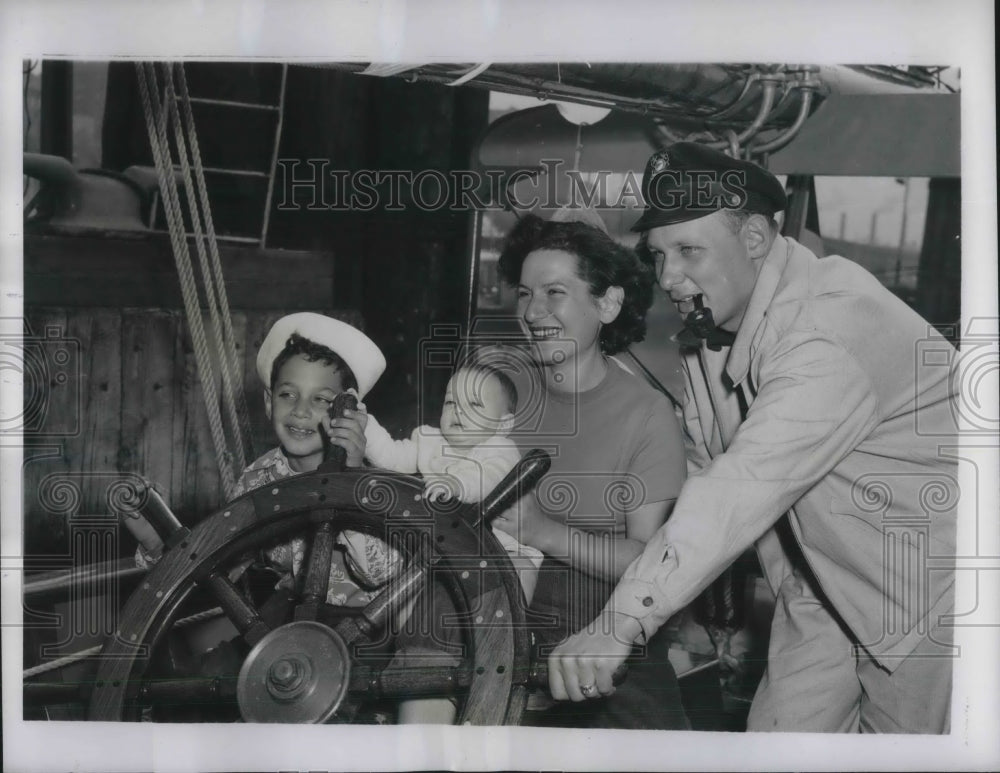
[{"x": 659, "y": 161}]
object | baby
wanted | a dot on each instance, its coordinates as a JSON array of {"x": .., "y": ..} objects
[
  {"x": 464, "y": 459},
  {"x": 467, "y": 456},
  {"x": 471, "y": 452}
]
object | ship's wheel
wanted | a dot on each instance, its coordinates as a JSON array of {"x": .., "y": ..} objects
[{"x": 294, "y": 658}]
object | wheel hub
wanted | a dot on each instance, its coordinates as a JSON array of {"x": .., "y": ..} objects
[
  {"x": 288, "y": 677},
  {"x": 296, "y": 673}
]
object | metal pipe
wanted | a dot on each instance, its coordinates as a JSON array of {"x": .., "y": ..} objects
[
  {"x": 699, "y": 92},
  {"x": 762, "y": 113},
  {"x": 739, "y": 103},
  {"x": 83, "y": 578},
  {"x": 789, "y": 134}
]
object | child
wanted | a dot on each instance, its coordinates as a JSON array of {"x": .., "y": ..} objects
[
  {"x": 467, "y": 457},
  {"x": 306, "y": 360},
  {"x": 470, "y": 453}
]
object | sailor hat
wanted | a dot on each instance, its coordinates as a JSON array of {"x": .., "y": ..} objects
[
  {"x": 686, "y": 181},
  {"x": 362, "y": 356}
]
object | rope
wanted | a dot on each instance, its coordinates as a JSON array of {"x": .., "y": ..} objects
[
  {"x": 66, "y": 660},
  {"x": 218, "y": 303},
  {"x": 239, "y": 414},
  {"x": 175, "y": 220},
  {"x": 198, "y": 617},
  {"x": 76, "y": 657}
]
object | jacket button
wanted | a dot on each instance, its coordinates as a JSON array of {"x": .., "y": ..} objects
[{"x": 648, "y": 601}]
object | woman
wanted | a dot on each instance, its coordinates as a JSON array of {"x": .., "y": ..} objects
[{"x": 618, "y": 455}]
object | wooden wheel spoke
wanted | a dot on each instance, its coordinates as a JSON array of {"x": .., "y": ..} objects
[
  {"x": 317, "y": 573},
  {"x": 236, "y": 607},
  {"x": 201, "y": 689},
  {"x": 409, "y": 682},
  {"x": 401, "y": 589}
]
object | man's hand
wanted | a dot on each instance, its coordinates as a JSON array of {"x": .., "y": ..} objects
[
  {"x": 582, "y": 666},
  {"x": 348, "y": 432}
]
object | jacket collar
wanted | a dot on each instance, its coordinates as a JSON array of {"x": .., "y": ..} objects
[{"x": 764, "y": 289}]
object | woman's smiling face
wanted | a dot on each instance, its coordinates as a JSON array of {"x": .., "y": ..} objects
[{"x": 557, "y": 309}]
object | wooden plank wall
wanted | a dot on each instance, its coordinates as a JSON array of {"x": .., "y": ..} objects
[{"x": 128, "y": 400}]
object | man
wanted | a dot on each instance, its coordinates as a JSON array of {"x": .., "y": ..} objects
[{"x": 816, "y": 431}]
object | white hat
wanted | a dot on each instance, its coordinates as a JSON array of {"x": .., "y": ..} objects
[{"x": 360, "y": 353}]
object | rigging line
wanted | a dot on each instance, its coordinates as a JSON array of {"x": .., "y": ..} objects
[
  {"x": 76, "y": 657},
  {"x": 159, "y": 144},
  {"x": 240, "y": 416},
  {"x": 203, "y": 357},
  {"x": 215, "y": 290}
]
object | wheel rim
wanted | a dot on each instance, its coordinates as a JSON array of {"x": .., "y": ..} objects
[{"x": 475, "y": 567}]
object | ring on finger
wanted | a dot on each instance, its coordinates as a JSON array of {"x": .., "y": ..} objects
[{"x": 588, "y": 689}]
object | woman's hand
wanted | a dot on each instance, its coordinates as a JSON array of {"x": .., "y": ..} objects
[
  {"x": 348, "y": 432},
  {"x": 582, "y": 666},
  {"x": 526, "y": 523}
]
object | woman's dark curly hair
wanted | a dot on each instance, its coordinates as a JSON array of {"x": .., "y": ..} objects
[
  {"x": 602, "y": 262},
  {"x": 313, "y": 352}
]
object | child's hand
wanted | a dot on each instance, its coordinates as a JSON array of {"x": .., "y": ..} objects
[{"x": 348, "y": 432}]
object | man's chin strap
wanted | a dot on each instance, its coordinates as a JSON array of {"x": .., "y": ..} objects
[{"x": 700, "y": 326}]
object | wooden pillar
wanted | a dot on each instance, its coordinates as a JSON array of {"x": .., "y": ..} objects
[
  {"x": 939, "y": 274},
  {"x": 56, "y": 131}
]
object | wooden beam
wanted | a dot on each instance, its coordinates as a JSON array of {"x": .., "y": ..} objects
[{"x": 100, "y": 269}]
